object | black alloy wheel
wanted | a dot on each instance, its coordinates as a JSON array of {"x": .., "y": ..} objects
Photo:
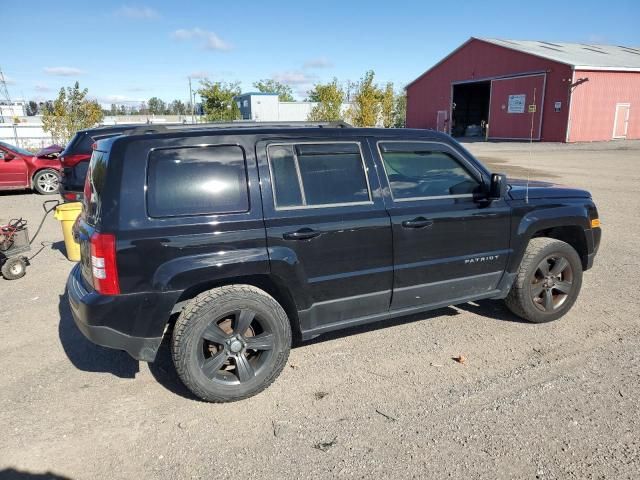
[
  {"x": 235, "y": 347},
  {"x": 230, "y": 343},
  {"x": 552, "y": 283}
]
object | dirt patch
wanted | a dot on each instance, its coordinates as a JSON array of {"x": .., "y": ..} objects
[{"x": 501, "y": 165}]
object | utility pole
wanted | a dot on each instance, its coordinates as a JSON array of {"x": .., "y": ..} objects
[
  {"x": 191, "y": 100},
  {"x": 4, "y": 94}
]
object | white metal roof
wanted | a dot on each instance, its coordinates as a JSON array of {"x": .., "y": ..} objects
[{"x": 582, "y": 56}]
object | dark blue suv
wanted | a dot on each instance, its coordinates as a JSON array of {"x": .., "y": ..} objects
[{"x": 234, "y": 239}]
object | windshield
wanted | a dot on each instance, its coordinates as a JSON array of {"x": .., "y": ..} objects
[{"x": 19, "y": 150}]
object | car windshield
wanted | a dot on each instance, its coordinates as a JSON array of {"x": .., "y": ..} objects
[{"x": 19, "y": 150}]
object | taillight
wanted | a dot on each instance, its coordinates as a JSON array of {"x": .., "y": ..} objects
[
  {"x": 87, "y": 188},
  {"x": 73, "y": 160},
  {"x": 103, "y": 264},
  {"x": 70, "y": 196}
]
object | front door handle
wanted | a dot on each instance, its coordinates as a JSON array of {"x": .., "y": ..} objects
[
  {"x": 419, "y": 222},
  {"x": 302, "y": 234}
]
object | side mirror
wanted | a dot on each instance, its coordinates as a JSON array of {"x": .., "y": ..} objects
[
  {"x": 7, "y": 156},
  {"x": 497, "y": 187}
]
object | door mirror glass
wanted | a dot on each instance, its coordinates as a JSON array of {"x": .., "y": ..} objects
[{"x": 498, "y": 186}]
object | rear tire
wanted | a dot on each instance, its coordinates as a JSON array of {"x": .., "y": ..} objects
[
  {"x": 230, "y": 343},
  {"x": 46, "y": 182},
  {"x": 548, "y": 281},
  {"x": 14, "y": 268}
]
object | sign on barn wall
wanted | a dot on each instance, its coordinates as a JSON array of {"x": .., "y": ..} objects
[{"x": 516, "y": 103}]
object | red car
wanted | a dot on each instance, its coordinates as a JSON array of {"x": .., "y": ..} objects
[{"x": 21, "y": 169}]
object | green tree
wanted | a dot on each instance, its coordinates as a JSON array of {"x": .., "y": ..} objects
[
  {"x": 218, "y": 100},
  {"x": 400, "y": 110},
  {"x": 70, "y": 112},
  {"x": 177, "y": 107},
  {"x": 329, "y": 98},
  {"x": 366, "y": 108},
  {"x": 156, "y": 106},
  {"x": 114, "y": 109},
  {"x": 285, "y": 92},
  {"x": 387, "y": 106}
]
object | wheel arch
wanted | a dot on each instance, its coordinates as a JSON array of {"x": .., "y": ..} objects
[
  {"x": 566, "y": 222},
  {"x": 267, "y": 282},
  {"x": 574, "y": 235}
]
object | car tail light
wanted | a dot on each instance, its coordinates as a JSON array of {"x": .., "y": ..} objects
[
  {"x": 70, "y": 196},
  {"x": 73, "y": 160},
  {"x": 87, "y": 188},
  {"x": 103, "y": 264}
]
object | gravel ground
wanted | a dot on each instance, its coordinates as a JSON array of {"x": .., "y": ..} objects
[{"x": 531, "y": 401}]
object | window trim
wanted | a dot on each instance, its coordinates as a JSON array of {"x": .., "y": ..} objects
[
  {"x": 209, "y": 214},
  {"x": 299, "y": 175},
  {"x": 456, "y": 157}
]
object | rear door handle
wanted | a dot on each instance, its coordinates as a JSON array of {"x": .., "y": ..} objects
[
  {"x": 419, "y": 222},
  {"x": 302, "y": 234}
]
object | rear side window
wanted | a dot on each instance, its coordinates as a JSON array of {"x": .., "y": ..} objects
[
  {"x": 416, "y": 170},
  {"x": 95, "y": 182},
  {"x": 81, "y": 143},
  {"x": 197, "y": 181},
  {"x": 317, "y": 174}
]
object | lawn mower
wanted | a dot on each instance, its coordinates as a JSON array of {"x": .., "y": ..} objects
[{"x": 15, "y": 243}]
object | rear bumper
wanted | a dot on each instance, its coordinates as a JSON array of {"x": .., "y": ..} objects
[
  {"x": 71, "y": 193},
  {"x": 134, "y": 323}
]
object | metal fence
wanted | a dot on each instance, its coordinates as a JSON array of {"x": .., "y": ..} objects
[{"x": 30, "y": 136}]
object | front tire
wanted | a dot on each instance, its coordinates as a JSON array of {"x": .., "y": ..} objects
[
  {"x": 46, "y": 182},
  {"x": 230, "y": 343},
  {"x": 548, "y": 281}
]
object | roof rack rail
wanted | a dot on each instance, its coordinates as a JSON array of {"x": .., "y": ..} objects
[{"x": 163, "y": 128}]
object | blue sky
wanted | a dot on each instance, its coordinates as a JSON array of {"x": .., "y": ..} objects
[{"x": 127, "y": 52}]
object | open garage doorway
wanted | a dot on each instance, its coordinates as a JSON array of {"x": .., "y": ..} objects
[{"x": 470, "y": 108}]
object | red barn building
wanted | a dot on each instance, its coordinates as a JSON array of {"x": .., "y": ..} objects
[{"x": 558, "y": 92}]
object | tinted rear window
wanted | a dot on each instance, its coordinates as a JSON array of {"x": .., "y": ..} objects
[
  {"x": 197, "y": 181},
  {"x": 80, "y": 143},
  {"x": 96, "y": 183}
]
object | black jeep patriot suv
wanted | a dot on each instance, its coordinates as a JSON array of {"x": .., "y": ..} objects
[{"x": 236, "y": 239}]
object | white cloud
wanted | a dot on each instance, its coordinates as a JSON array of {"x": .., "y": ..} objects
[
  {"x": 137, "y": 13},
  {"x": 40, "y": 87},
  {"x": 119, "y": 99},
  {"x": 63, "y": 71},
  {"x": 199, "y": 75},
  {"x": 320, "y": 62},
  {"x": 302, "y": 92},
  {"x": 209, "y": 40},
  {"x": 293, "y": 78},
  {"x": 136, "y": 89}
]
